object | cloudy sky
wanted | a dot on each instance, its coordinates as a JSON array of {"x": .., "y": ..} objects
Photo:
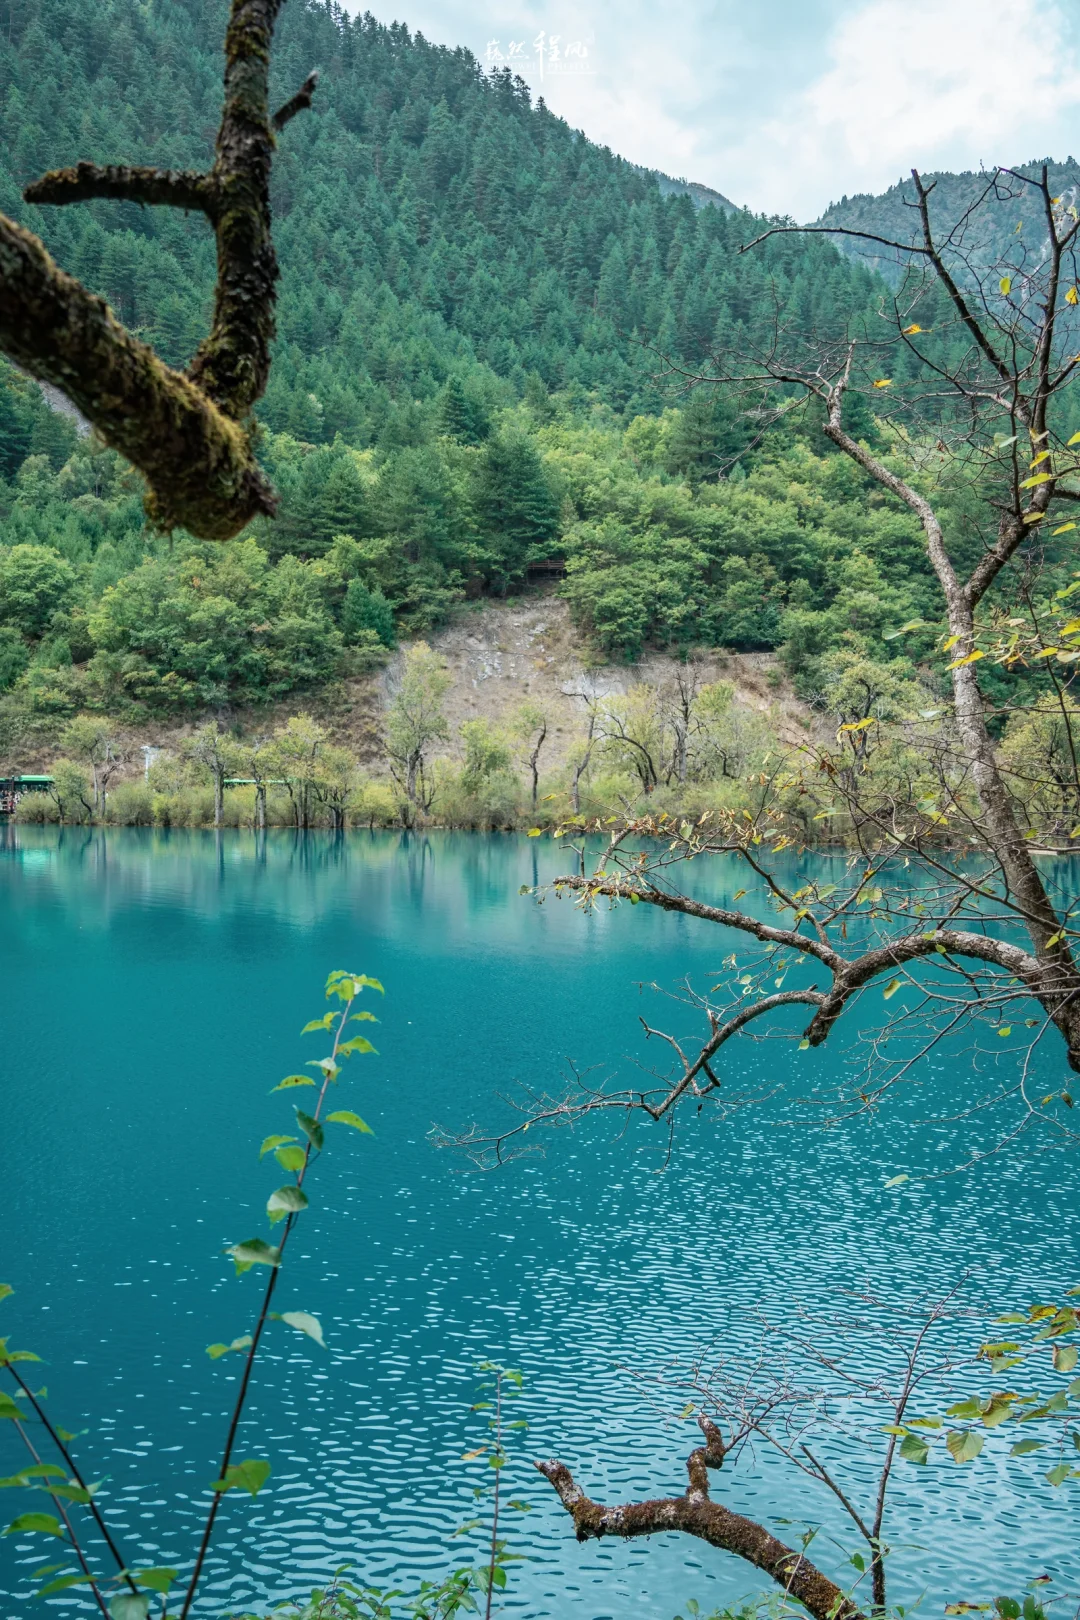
[{"x": 785, "y": 105}]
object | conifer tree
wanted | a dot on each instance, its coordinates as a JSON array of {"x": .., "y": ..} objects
[{"x": 518, "y": 507}]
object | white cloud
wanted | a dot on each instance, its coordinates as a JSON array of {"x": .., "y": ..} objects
[
  {"x": 787, "y": 104},
  {"x": 925, "y": 83}
]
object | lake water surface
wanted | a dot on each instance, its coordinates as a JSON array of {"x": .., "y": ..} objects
[{"x": 152, "y": 987}]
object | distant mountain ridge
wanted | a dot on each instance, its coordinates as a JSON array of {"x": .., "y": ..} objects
[
  {"x": 1010, "y": 229},
  {"x": 700, "y": 195}
]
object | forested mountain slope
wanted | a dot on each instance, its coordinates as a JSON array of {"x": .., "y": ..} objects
[
  {"x": 473, "y": 301},
  {"x": 1011, "y": 229}
]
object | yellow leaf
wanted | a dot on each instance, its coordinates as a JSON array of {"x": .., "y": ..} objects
[
  {"x": 467, "y": 1456},
  {"x": 1072, "y": 296},
  {"x": 949, "y": 642},
  {"x": 534, "y": 832},
  {"x": 969, "y": 659},
  {"x": 1074, "y": 440},
  {"x": 910, "y": 331},
  {"x": 1056, "y": 939},
  {"x": 882, "y": 382},
  {"x": 1036, "y": 478},
  {"x": 1063, "y": 528},
  {"x": 739, "y": 894},
  {"x": 1071, "y": 628},
  {"x": 1047, "y": 652},
  {"x": 1006, "y": 1029},
  {"x": 1042, "y": 455},
  {"x": 1034, "y": 517},
  {"x": 1006, "y": 286},
  {"x": 891, "y": 988}
]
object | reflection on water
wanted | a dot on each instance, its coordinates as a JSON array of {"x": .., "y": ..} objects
[{"x": 153, "y": 987}]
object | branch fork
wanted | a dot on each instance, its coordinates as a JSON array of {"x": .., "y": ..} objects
[{"x": 192, "y": 434}]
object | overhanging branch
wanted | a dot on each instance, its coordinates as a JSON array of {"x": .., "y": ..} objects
[{"x": 191, "y": 436}]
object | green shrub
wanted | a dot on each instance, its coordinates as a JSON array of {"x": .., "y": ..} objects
[{"x": 130, "y": 804}]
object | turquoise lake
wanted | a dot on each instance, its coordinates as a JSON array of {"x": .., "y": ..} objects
[{"x": 153, "y": 988}]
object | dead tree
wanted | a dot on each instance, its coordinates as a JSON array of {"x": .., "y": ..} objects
[{"x": 189, "y": 433}]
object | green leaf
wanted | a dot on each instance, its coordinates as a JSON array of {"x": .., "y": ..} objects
[
  {"x": 327, "y": 1065},
  {"x": 895, "y": 1181},
  {"x": 1006, "y": 1029},
  {"x": 8, "y": 1357},
  {"x": 292, "y": 1158},
  {"x": 326, "y": 1022},
  {"x": 963, "y": 1445},
  {"x": 254, "y": 1253},
  {"x": 6, "y": 1290},
  {"x": 357, "y": 1044},
  {"x": 1065, "y": 1357},
  {"x": 9, "y": 1408},
  {"x": 216, "y": 1351},
  {"x": 130, "y": 1606},
  {"x": 159, "y": 1579},
  {"x": 803, "y": 1044},
  {"x": 303, "y": 1322},
  {"x": 288, "y": 1200},
  {"x": 914, "y": 1449},
  {"x": 291, "y": 1080},
  {"x": 363, "y": 1018},
  {"x": 62, "y": 1582},
  {"x": 310, "y": 1127},
  {"x": 249, "y": 1475},
  {"x": 345, "y": 1116},
  {"x": 891, "y": 988},
  {"x": 37, "y": 1471},
  {"x": 271, "y": 1142},
  {"x": 1058, "y": 1475},
  {"x": 912, "y": 624},
  {"x": 43, "y": 1523},
  {"x": 1022, "y": 1447}
]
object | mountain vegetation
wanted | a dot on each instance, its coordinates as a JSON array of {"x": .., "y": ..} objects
[
  {"x": 473, "y": 306},
  {"x": 487, "y": 327}
]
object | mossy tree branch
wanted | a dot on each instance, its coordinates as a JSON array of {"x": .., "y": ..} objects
[{"x": 190, "y": 435}]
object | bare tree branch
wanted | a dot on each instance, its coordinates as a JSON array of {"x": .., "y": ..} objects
[{"x": 695, "y": 1514}]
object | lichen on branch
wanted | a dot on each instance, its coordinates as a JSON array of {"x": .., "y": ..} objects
[{"x": 190, "y": 434}]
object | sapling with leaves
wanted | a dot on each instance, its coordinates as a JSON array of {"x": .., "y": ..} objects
[
  {"x": 460, "y": 1591},
  {"x": 500, "y": 1387},
  {"x": 129, "y": 1592}
]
